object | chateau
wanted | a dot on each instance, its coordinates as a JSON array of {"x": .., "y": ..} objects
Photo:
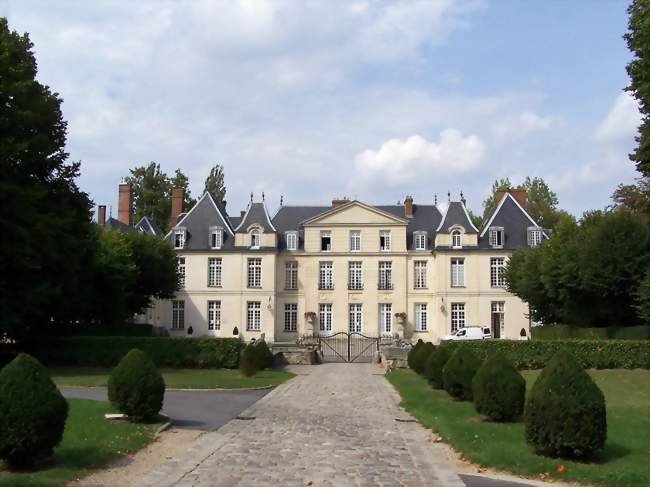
[{"x": 405, "y": 269}]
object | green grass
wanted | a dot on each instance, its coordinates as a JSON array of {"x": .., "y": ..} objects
[
  {"x": 89, "y": 442},
  {"x": 174, "y": 378},
  {"x": 625, "y": 460}
]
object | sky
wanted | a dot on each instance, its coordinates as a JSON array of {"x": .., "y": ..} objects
[{"x": 371, "y": 100}]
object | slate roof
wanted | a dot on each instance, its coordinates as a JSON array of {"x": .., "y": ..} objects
[
  {"x": 256, "y": 214},
  {"x": 115, "y": 224},
  {"x": 515, "y": 222},
  {"x": 425, "y": 218},
  {"x": 290, "y": 218},
  {"x": 456, "y": 214},
  {"x": 147, "y": 225}
]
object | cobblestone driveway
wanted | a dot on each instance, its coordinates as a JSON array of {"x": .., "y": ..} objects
[{"x": 333, "y": 425}]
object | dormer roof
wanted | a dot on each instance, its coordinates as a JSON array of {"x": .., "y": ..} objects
[
  {"x": 256, "y": 214},
  {"x": 147, "y": 225},
  {"x": 456, "y": 214}
]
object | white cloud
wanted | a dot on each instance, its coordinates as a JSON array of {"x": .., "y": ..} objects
[
  {"x": 622, "y": 120},
  {"x": 400, "y": 161},
  {"x": 520, "y": 125}
]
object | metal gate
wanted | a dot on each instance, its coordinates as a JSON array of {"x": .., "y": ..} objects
[{"x": 348, "y": 347}]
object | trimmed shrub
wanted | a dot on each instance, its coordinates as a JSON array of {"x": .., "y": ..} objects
[
  {"x": 565, "y": 411},
  {"x": 164, "y": 351},
  {"x": 248, "y": 361},
  {"x": 458, "y": 372},
  {"x": 434, "y": 365},
  {"x": 412, "y": 352},
  {"x": 263, "y": 355},
  {"x": 499, "y": 390},
  {"x": 136, "y": 387},
  {"x": 421, "y": 357},
  {"x": 32, "y": 412},
  {"x": 560, "y": 332}
]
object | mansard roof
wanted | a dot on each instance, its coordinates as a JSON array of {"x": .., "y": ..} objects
[
  {"x": 514, "y": 220},
  {"x": 456, "y": 214},
  {"x": 147, "y": 225},
  {"x": 256, "y": 214}
]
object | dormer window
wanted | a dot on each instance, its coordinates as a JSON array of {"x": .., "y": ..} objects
[
  {"x": 292, "y": 240},
  {"x": 384, "y": 240},
  {"x": 420, "y": 240},
  {"x": 534, "y": 236},
  {"x": 325, "y": 241},
  {"x": 496, "y": 237},
  {"x": 179, "y": 238},
  {"x": 455, "y": 239},
  {"x": 216, "y": 237},
  {"x": 255, "y": 239}
]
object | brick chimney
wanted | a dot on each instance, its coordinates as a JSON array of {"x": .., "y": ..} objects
[
  {"x": 242, "y": 214},
  {"x": 101, "y": 215},
  {"x": 336, "y": 202},
  {"x": 408, "y": 206},
  {"x": 178, "y": 194},
  {"x": 521, "y": 195},
  {"x": 125, "y": 204}
]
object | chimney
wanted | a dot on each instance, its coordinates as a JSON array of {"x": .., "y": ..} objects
[
  {"x": 242, "y": 214},
  {"x": 339, "y": 201},
  {"x": 177, "y": 205},
  {"x": 101, "y": 215},
  {"x": 408, "y": 206},
  {"x": 125, "y": 204},
  {"x": 521, "y": 196}
]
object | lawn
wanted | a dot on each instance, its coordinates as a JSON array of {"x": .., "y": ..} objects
[
  {"x": 174, "y": 378},
  {"x": 89, "y": 442},
  {"x": 625, "y": 460}
]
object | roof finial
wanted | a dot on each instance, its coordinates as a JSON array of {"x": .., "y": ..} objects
[
  {"x": 110, "y": 211},
  {"x": 435, "y": 199},
  {"x": 462, "y": 197},
  {"x": 262, "y": 195},
  {"x": 448, "y": 196},
  {"x": 281, "y": 199},
  {"x": 251, "y": 196}
]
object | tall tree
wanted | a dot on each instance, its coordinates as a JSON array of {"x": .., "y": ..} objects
[
  {"x": 48, "y": 238},
  {"x": 491, "y": 202},
  {"x": 638, "y": 69},
  {"x": 634, "y": 197},
  {"x": 180, "y": 180},
  {"x": 215, "y": 183}
]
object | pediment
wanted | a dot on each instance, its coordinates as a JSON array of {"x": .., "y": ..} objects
[{"x": 355, "y": 213}]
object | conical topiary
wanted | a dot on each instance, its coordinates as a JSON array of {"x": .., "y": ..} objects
[
  {"x": 136, "y": 387},
  {"x": 434, "y": 365},
  {"x": 421, "y": 357},
  {"x": 412, "y": 352},
  {"x": 498, "y": 389},
  {"x": 458, "y": 372},
  {"x": 248, "y": 361},
  {"x": 32, "y": 412},
  {"x": 263, "y": 355},
  {"x": 565, "y": 411}
]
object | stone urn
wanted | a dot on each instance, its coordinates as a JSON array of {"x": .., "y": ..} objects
[
  {"x": 400, "y": 318},
  {"x": 310, "y": 316}
]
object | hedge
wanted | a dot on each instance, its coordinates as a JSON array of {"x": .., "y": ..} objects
[
  {"x": 559, "y": 332},
  {"x": 85, "y": 329},
  {"x": 164, "y": 351},
  {"x": 599, "y": 354}
]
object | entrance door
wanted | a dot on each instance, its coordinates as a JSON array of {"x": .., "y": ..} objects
[
  {"x": 385, "y": 319},
  {"x": 355, "y": 318},
  {"x": 498, "y": 319},
  {"x": 325, "y": 318}
]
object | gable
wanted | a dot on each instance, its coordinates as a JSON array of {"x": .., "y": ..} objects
[{"x": 355, "y": 214}]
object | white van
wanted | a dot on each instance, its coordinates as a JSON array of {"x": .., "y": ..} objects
[{"x": 470, "y": 333}]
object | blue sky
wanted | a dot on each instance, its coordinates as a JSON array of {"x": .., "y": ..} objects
[{"x": 313, "y": 100}]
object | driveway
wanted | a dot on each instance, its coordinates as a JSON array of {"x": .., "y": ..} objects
[{"x": 204, "y": 410}]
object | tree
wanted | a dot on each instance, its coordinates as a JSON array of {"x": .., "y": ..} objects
[
  {"x": 152, "y": 190},
  {"x": 215, "y": 184},
  {"x": 48, "y": 238},
  {"x": 643, "y": 296},
  {"x": 491, "y": 202},
  {"x": 634, "y": 197},
  {"x": 638, "y": 69}
]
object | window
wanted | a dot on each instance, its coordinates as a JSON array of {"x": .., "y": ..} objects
[
  {"x": 355, "y": 240},
  {"x": 534, "y": 236},
  {"x": 214, "y": 271},
  {"x": 325, "y": 318},
  {"x": 291, "y": 275},
  {"x": 498, "y": 319},
  {"x": 214, "y": 315},
  {"x": 355, "y": 318},
  {"x": 290, "y": 317},
  {"x": 457, "y": 272},
  {"x": 254, "y": 316},
  {"x": 325, "y": 280},
  {"x": 420, "y": 317},
  {"x": 496, "y": 237},
  {"x": 179, "y": 238},
  {"x": 255, "y": 239},
  {"x": 385, "y": 318},
  {"x": 496, "y": 271},
  {"x": 178, "y": 314},
  {"x": 385, "y": 275},
  {"x": 292, "y": 240},
  {"x": 355, "y": 275},
  {"x": 457, "y": 316},
  {"x": 420, "y": 274},
  {"x": 216, "y": 237},
  {"x": 420, "y": 240},
  {"x": 255, "y": 272},
  {"x": 455, "y": 239},
  {"x": 326, "y": 241},
  {"x": 180, "y": 271},
  {"x": 384, "y": 240}
]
